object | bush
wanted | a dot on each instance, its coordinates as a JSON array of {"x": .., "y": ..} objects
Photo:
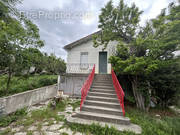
[
  {"x": 21, "y": 84},
  {"x": 46, "y": 81}
]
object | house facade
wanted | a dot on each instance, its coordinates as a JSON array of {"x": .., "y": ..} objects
[{"x": 81, "y": 57}]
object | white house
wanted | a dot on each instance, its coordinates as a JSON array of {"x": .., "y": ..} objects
[{"x": 82, "y": 56}]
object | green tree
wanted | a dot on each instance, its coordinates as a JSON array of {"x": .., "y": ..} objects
[
  {"x": 16, "y": 34},
  {"x": 54, "y": 65},
  {"x": 117, "y": 23},
  {"x": 141, "y": 51},
  {"x": 32, "y": 57}
]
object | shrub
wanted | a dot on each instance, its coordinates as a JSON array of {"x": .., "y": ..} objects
[{"x": 21, "y": 84}]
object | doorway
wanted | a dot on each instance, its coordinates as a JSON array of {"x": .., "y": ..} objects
[{"x": 103, "y": 62}]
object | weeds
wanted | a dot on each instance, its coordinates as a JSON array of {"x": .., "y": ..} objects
[
  {"x": 6, "y": 120},
  {"x": 64, "y": 133},
  {"x": 49, "y": 113},
  {"x": 154, "y": 126},
  {"x": 29, "y": 133},
  {"x": 150, "y": 125},
  {"x": 5, "y": 132},
  {"x": 166, "y": 125},
  {"x": 95, "y": 129},
  {"x": 61, "y": 106},
  {"x": 75, "y": 104}
]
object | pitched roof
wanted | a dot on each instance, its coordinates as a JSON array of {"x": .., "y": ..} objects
[{"x": 80, "y": 41}]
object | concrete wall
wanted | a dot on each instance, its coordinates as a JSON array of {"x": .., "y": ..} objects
[
  {"x": 93, "y": 53},
  {"x": 21, "y": 100},
  {"x": 71, "y": 84}
]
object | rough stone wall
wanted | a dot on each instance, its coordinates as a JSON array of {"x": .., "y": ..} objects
[{"x": 12, "y": 103}]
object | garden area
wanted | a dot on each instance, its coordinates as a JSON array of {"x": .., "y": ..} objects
[
  {"x": 146, "y": 61},
  {"x": 43, "y": 119},
  {"x": 21, "y": 84}
]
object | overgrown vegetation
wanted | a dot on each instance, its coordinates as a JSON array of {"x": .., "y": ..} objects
[
  {"x": 47, "y": 114},
  {"x": 21, "y": 84},
  {"x": 146, "y": 55},
  {"x": 6, "y": 120},
  {"x": 151, "y": 125},
  {"x": 75, "y": 104},
  {"x": 19, "y": 46},
  {"x": 167, "y": 123}
]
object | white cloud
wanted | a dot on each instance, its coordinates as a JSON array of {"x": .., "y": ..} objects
[
  {"x": 89, "y": 18},
  {"x": 58, "y": 33},
  {"x": 151, "y": 8},
  {"x": 142, "y": 4},
  {"x": 44, "y": 4}
]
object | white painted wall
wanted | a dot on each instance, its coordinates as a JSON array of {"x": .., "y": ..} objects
[{"x": 93, "y": 54}]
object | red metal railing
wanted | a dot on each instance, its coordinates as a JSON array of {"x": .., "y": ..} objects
[
  {"x": 86, "y": 86},
  {"x": 119, "y": 90}
]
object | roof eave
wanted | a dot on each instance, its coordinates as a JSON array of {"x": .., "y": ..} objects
[{"x": 77, "y": 42}]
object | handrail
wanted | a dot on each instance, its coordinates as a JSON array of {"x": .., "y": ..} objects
[
  {"x": 119, "y": 90},
  {"x": 86, "y": 86}
]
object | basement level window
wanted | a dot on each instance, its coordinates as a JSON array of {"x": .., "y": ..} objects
[{"x": 84, "y": 60}]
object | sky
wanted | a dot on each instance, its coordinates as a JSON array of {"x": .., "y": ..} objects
[{"x": 63, "y": 21}]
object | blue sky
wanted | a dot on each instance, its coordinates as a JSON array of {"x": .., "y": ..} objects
[{"x": 64, "y": 21}]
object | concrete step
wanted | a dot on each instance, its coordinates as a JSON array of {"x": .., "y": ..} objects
[
  {"x": 100, "y": 94},
  {"x": 103, "y": 117},
  {"x": 102, "y": 104},
  {"x": 102, "y": 110},
  {"x": 120, "y": 127},
  {"x": 103, "y": 99},
  {"x": 103, "y": 81},
  {"x": 103, "y": 87},
  {"x": 103, "y": 91},
  {"x": 102, "y": 84}
]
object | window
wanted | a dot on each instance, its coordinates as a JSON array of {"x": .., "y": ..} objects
[{"x": 84, "y": 60}]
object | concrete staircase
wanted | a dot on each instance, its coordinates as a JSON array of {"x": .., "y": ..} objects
[{"x": 101, "y": 103}]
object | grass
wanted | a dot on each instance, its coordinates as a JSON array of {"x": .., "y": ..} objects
[
  {"x": 6, "y": 120},
  {"x": 29, "y": 133},
  {"x": 168, "y": 124},
  {"x": 75, "y": 104},
  {"x": 64, "y": 133},
  {"x": 20, "y": 84},
  {"x": 95, "y": 129},
  {"x": 5, "y": 132},
  {"x": 21, "y": 117},
  {"x": 48, "y": 113}
]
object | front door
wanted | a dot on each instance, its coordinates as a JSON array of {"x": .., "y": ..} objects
[{"x": 102, "y": 62}]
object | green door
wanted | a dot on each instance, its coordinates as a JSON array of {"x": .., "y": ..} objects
[{"x": 103, "y": 62}]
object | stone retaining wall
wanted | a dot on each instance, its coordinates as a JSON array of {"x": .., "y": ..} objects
[{"x": 12, "y": 103}]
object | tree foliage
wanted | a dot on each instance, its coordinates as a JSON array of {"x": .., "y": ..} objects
[
  {"x": 143, "y": 52},
  {"x": 119, "y": 22},
  {"x": 54, "y": 65},
  {"x": 16, "y": 33},
  {"x": 19, "y": 44}
]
